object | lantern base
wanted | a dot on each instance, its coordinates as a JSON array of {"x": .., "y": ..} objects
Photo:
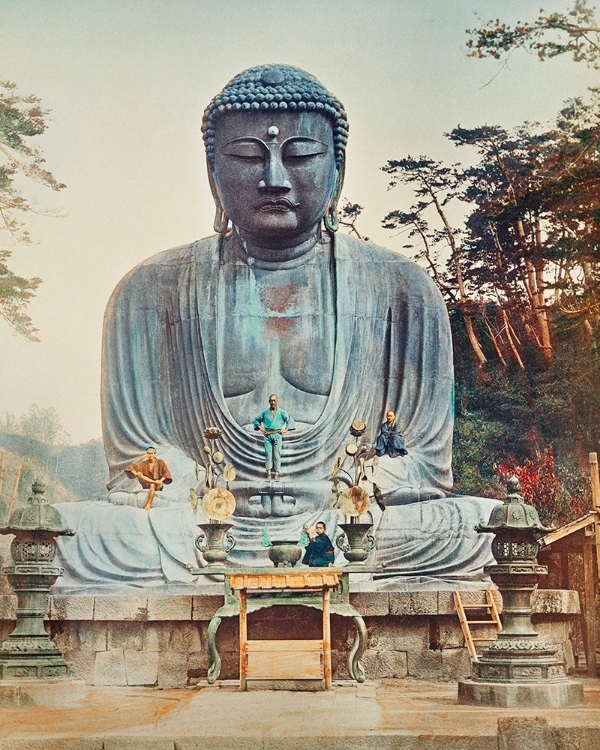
[
  {"x": 559, "y": 694},
  {"x": 20, "y": 667}
]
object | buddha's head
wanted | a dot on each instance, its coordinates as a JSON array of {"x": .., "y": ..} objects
[{"x": 275, "y": 144}]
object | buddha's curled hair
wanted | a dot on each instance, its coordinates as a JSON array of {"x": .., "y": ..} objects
[{"x": 276, "y": 87}]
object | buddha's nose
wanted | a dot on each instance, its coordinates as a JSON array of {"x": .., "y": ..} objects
[{"x": 275, "y": 175}]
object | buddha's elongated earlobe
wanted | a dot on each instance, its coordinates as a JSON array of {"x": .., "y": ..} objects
[
  {"x": 330, "y": 218},
  {"x": 221, "y": 222}
]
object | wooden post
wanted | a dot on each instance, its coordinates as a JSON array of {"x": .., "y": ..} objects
[
  {"x": 243, "y": 640},
  {"x": 595, "y": 477},
  {"x": 563, "y": 556},
  {"x": 589, "y": 585},
  {"x": 326, "y": 639},
  {"x": 595, "y": 481}
]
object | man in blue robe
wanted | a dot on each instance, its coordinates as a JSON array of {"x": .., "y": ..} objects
[
  {"x": 319, "y": 552},
  {"x": 273, "y": 423},
  {"x": 390, "y": 440}
]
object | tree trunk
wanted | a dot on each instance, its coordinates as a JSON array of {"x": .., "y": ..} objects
[{"x": 475, "y": 345}]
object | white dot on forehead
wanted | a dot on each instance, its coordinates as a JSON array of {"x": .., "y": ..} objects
[{"x": 273, "y": 131}]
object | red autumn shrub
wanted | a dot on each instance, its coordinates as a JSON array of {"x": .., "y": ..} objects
[{"x": 558, "y": 501}]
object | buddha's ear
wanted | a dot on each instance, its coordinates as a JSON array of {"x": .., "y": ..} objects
[
  {"x": 221, "y": 222},
  {"x": 330, "y": 219}
]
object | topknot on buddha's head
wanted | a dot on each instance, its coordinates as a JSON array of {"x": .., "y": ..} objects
[{"x": 281, "y": 88}]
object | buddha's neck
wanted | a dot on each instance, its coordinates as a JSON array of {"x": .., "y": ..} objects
[{"x": 279, "y": 257}]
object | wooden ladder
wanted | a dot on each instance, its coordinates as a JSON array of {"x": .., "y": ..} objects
[{"x": 489, "y": 608}]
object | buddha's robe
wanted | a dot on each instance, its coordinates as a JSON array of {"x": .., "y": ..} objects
[
  {"x": 180, "y": 333},
  {"x": 168, "y": 329}
]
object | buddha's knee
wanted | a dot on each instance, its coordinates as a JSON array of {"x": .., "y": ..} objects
[
  {"x": 408, "y": 495},
  {"x": 137, "y": 499}
]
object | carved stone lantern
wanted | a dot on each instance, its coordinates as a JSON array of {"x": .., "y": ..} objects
[
  {"x": 518, "y": 668},
  {"x": 29, "y": 653}
]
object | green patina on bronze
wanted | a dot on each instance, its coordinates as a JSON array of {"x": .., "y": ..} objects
[
  {"x": 268, "y": 88},
  {"x": 28, "y": 653},
  {"x": 518, "y": 654}
]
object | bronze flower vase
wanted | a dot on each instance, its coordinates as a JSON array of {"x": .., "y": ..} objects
[
  {"x": 356, "y": 542},
  {"x": 215, "y": 543}
]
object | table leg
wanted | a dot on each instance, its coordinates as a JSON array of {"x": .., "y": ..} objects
[
  {"x": 213, "y": 654},
  {"x": 243, "y": 640},
  {"x": 326, "y": 640},
  {"x": 355, "y": 668}
]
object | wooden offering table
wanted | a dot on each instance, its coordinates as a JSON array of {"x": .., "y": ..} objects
[
  {"x": 249, "y": 590},
  {"x": 285, "y": 659}
]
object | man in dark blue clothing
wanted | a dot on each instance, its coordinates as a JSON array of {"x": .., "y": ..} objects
[
  {"x": 319, "y": 552},
  {"x": 390, "y": 440}
]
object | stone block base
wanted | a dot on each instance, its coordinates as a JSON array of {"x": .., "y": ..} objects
[
  {"x": 47, "y": 693},
  {"x": 160, "y": 639},
  {"x": 560, "y": 694}
]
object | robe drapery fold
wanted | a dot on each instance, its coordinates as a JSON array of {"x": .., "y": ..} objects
[
  {"x": 165, "y": 334},
  {"x": 167, "y": 323}
]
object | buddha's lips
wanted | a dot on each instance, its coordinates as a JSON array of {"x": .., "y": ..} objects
[{"x": 277, "y": 204}]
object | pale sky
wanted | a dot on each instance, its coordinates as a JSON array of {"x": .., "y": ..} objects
[{"x": 127, "y": 82}]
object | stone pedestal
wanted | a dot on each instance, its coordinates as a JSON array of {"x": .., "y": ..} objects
[{"x": 520, "y": 694}]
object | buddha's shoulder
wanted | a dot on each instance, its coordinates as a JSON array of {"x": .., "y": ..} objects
[
  {"x": 168, "y": 264},
  {"x": 384, "y": 263},
  {"x": 176, "y": 257}
]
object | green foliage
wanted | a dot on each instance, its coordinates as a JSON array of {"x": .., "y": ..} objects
[
  {"x": 348, "y": 214},
  {"x": 520, "y": 275},
  {"x": 38, "y": 440},
  {"x": 42, "y": 425},
  {"x": 529, "y": 248},
  {"x": 522, "y": 285},
  {"x": 82, "y": 469},
  {"x": 21, "y": 118},
  {"x": 510, "y": 418},
  {"x": 551, "y": 34},
  {"x": 425, "y": 223},
  {"x": 15, "y": 293},
  {"x": 475, "y": 453}
]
